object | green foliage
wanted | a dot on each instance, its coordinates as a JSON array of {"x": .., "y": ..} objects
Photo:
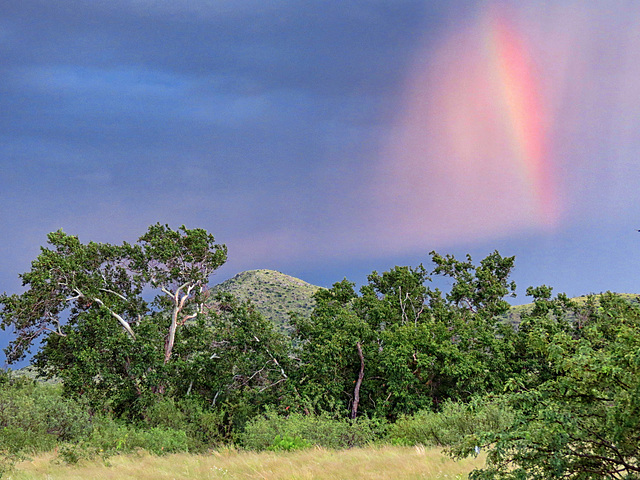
[
  {"x": 109, "y": 439},
  {"x": 455, "y": 424},
  {"x": 580, "y": 419},
  {"x": 101, "y": 337},
  {"x": 419, "y": 346},
  {"x": 558, "y": 397},
  {"x": 478, "y": 289},
  {"x": 157, "y": 440},
  {"x": 205, "y": 427},
  {"x": 288, "y": 444},
  {"x": 72, "y": 453},
  {"x": 324, "y": 430},
  {"x": 119, "y": 353},
  {"x": 33, "y": 418},
  {"x": 233, "y": 360}
]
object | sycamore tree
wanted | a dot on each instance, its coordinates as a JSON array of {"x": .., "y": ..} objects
[
  {"x": 91, "y": 305},
  {"x": 233, "y": 359},
  {"x": 332, "y": 364},
  {"x": 179, "y": 264}
]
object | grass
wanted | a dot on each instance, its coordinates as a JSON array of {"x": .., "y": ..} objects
[{"x": 373, "y": 463}]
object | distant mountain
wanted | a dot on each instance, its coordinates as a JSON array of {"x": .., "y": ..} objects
[
  {"x": 273, "y": 293},
  {"x": 30, "y": 372},
  {"x": 515, "y": 313}
]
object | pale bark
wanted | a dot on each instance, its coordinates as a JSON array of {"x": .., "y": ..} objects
[
  {"x": 356, "y": 390},
  {"x": 180, "y": 297},
  {"x": 122, "y": 321}
]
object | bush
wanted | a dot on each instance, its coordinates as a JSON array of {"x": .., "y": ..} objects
[
  {"x": 205, "y": 428},
  {"x": 72, "y": 453},
  {"x": 16, "y": 440},
  {"x": 157, "y": 440},
  {"x": 323, "y": 430},
  {"x": 166, "y": 413},
  {"x": 288, "y": 444},
  {"x": 34, "y": 417},
  {"x": 110, "y": 438},
  {"x": 454, "y": 423}
]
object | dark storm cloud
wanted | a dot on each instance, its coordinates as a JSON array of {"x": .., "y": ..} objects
[
  {"x": 239, "y": 116},
  {"x": 192, "y": 76},
  {"x": 326, "y": 47}
]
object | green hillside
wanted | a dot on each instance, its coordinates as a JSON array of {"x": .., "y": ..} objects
[
  {"x": 273, "y": 293},
  {"x": 515, "y": 312}
]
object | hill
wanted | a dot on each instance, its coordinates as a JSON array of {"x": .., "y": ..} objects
[
  {"x": 515, "y": 312},
  {"x": 273, "y": 293}
]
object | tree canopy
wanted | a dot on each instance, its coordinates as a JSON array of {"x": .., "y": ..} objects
[
  {"x": 103, "y": 333},
  {"x": 71, "y": 278},
  {"x": 133, "y": 330},
  {"x": 400, "y": 345},
  {"x": 577, "y": 412}
]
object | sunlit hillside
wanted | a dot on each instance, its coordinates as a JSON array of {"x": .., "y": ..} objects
[{"x": 273, "y": 293}]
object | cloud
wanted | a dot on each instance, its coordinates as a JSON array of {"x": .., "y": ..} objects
[
  {"x": 327, "y": 48},
  {"x": 451, "y": 170}
]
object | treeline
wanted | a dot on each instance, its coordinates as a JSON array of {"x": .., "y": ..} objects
[{"x": 396, "y": 361}]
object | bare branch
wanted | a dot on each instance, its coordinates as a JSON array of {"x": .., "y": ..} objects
[
  {"x": 271, "y": 385},
  {"x": 122, "y": 321},
  {"x": 119, "y": 295}
]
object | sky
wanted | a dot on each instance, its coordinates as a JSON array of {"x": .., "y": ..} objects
[{"x": 327, "y": 139}]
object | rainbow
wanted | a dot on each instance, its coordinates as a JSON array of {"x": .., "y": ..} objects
[
  {"x": 522, "y": 100},
  {"x": 469, "y": 156}
]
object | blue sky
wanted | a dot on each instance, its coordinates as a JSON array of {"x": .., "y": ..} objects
[{"x": 326, "y": 139}]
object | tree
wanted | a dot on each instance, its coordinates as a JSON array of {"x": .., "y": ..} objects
[
  {"x": 87, "y": 301},
  {"x": 479, "y": 290},
  {"x": 401, "y": 346},
  {"x": 66, "y": 280},
  {"x": 581, "y": 419},
  {"x": 329, "y": 363},
  {"x": 179, "y": 263},
  {"x": 232, "y": 359}
]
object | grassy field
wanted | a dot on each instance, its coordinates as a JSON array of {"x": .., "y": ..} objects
[{"x": 372, "y": 463}]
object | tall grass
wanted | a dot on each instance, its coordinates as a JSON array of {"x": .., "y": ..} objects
[{"x": 372, "y": 463}]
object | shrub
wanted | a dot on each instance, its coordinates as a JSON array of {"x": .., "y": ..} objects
[
  {"x": 454, "y": 423},
  {"x": 110, "y": 438},
  {"x": 157, "y": 440},
  {"x": 165, "y": 412},
  {"x": 16, "y": 440},
  {"x": 72, "y": 453},
  {"x": 288, "y": 444},
  {"x": 323, "y": 430},
  {"x": 34, "y": 417},
  {"x": 204, "y": 427}
]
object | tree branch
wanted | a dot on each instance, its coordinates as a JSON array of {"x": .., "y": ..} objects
[
  {"x": 122, "y": 321},
  {"x": 356, "y": 390}
]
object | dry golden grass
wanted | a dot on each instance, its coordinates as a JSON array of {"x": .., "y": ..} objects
[{"x": 372, "y": 463}]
